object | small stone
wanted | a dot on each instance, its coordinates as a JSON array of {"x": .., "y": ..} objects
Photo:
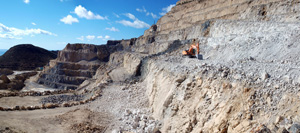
[
  {"x": 295, "y": 128},
  {"x": 286, "y": 78},
  {"x": 276, "y": 86},
  {"x": 265, "y": 76},
  {"x": 127, "y": 112},
  {"x": 180, "y": 79},
  {"x": 237, "y": 76},
  {"x": 224, "y": 74},
  {"x": 23, "y": 108},
  {"x": 278, "y": 119},
  {"x": 66, "y": 105},
  {"x": 142, "y": 124},
  {"x": 17, "y": 107},
  {"x": 144, "y": 117},
  {"x": 136, "y": 118},
  {"x": 282, "y": 130},
  {"x": 247, "y": 89},
  {"x": 135, "y": 125}
]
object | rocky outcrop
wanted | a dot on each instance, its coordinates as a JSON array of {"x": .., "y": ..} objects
[
  {"x": 79, "y": 52},
  {"x": 16, "y": 83},
  {"x": 128, "y": 69},
  {"x": 25, "y": 57},
  {"x": 79, "y": 62},
  {"x": 74, "y": 64}
]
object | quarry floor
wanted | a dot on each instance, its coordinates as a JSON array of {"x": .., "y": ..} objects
[{"x": 105, "y": 114}]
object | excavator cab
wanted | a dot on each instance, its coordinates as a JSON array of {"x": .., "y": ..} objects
[{"x": 192, "y": 52}]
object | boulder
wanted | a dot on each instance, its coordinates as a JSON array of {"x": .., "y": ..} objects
[
  {"x": 132, "y": 63},
  {"x": 16, "y": 85},
  {"x": 6, "y": 71},
  {"x": 3, "y": 85},
  {"x": 4, "y": 78},
  {"x": 119, "y": 75},
  {"x": 25, "y": 76}
]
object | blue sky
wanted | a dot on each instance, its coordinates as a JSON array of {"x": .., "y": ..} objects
[{"x": 51, "y": 24}]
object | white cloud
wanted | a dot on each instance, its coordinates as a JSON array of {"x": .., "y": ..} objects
[
  {"x": 104, "y": 38},
  {"x": 136, "y": 23},
  {"x": 83, "y": 13},
  {"x": 4, "y": 28},
  {"x": 166, "y": 9},
  {"x": 80, "y": 38},
  {"x": 8, "y": 36},
  {"x": 141, "y": 10},
  {"x": 15, "y": 33},
  {"x": 69, "y": 20},
  {"x": 26, "y": 1},
  {"x": 154, "y": 16},
  {"x": 129, "y": 15},
  {"x": 116, "y": 15},
  {"x": 112, "y": 29},
  {"x": 33, "y": 23},
  {"x": 107, "y": 37},
  {"x": 90, "y": 37}
]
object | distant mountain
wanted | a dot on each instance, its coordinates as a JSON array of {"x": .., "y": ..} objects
[
  {"x": 2, "y": 51},
  {"x": 25, "y": 57}
]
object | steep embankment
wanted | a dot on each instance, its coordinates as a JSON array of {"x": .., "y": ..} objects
[
  {"x": 248, "y": 80},
  {"x": 25, "y": 57}
]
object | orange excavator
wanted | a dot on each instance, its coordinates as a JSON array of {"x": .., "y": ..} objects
[{"x": 193, "y": 51}]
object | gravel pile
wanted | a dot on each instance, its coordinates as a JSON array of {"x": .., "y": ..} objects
[{"x": 62, "y": 98}]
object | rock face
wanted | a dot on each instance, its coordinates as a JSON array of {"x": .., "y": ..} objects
[
  {"x": 238, "y": 87},
  {"x": 79, "y": 62},
  {"x": 74, "y": 64},
  {"x": 248, "y": 80},
  {"x": 25, "y": 57},
  {"x": 248, "y": 74},
  {"x": 79, "y": 52}
]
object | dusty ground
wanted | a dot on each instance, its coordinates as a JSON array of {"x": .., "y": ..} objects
[{"x": 108, "y": 113}]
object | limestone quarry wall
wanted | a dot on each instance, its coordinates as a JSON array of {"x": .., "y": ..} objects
[
  {"x": 248, "y": 81},
  {"x": 206, "y": 98},
  {"x": 191, "y": 19},
  {"x": 190, "y": 13},
  {"x": 252, "y": 80}
]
